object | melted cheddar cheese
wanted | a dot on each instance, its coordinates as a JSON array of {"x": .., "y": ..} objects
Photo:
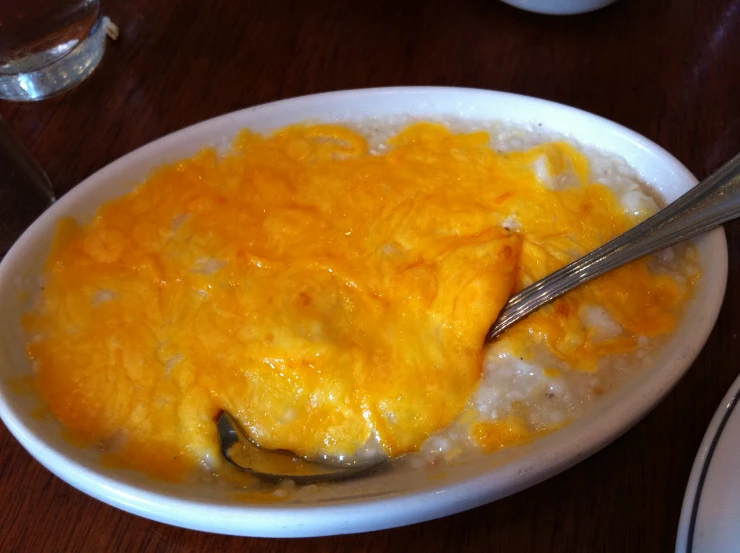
[{"x": 324, "y": 295}]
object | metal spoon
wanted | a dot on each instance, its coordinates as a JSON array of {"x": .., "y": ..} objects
[
  {"x": 271, "y": 465},
  {"x": 709, "y": 204}
]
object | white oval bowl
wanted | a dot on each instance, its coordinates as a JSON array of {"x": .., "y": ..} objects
[{"x": 397, "y": 497}]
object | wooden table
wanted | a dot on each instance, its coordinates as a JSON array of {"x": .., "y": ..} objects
[{"x": 669, "y": 69}]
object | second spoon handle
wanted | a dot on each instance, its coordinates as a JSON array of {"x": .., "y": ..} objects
[{"x": 709, "y": 204}]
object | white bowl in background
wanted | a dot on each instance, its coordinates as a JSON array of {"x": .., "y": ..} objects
[
  {"x": 397, "y": 497},
  {"x": 559, "y": 7}
]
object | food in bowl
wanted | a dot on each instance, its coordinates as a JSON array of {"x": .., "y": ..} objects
[{"x": 331, "y": 285}]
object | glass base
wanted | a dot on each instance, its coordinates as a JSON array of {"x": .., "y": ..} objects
[{"x": 60, "y": 75}]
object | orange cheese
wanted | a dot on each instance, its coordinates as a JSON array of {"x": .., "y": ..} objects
[{"x": 319, "y": 293}]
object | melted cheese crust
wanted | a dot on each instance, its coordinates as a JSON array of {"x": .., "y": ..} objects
[{"x": 324, "y": 296}]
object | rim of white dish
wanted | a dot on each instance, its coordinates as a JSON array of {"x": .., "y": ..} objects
[
  {"x": 693, "y": 497},
  {"x": 380, "y": 512}
]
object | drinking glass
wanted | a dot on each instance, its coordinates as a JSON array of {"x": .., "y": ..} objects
[{"x": 48, "y": 46}]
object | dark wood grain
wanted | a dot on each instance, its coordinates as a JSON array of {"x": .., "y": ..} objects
[{"x": 669, "y": 69}]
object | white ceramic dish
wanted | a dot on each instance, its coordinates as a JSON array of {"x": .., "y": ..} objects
[
  {"x": 559, "y": 7},
  {"x": 711, "y": 506},
  {"x": 384, "y": 500}
]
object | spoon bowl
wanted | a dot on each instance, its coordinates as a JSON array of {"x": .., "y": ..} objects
[{"x": 271, "y": 465}]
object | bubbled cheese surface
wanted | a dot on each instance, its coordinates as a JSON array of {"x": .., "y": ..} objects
[{"x": 326, "y": 296}]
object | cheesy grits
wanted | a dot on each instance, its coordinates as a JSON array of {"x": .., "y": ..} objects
[{"x": 331, "y": 285}]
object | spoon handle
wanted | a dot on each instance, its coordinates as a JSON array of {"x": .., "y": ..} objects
[{"x": 709, "y": 204}]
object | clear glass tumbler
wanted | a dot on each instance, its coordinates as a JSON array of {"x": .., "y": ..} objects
[{"x": 48, "y": 46}]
